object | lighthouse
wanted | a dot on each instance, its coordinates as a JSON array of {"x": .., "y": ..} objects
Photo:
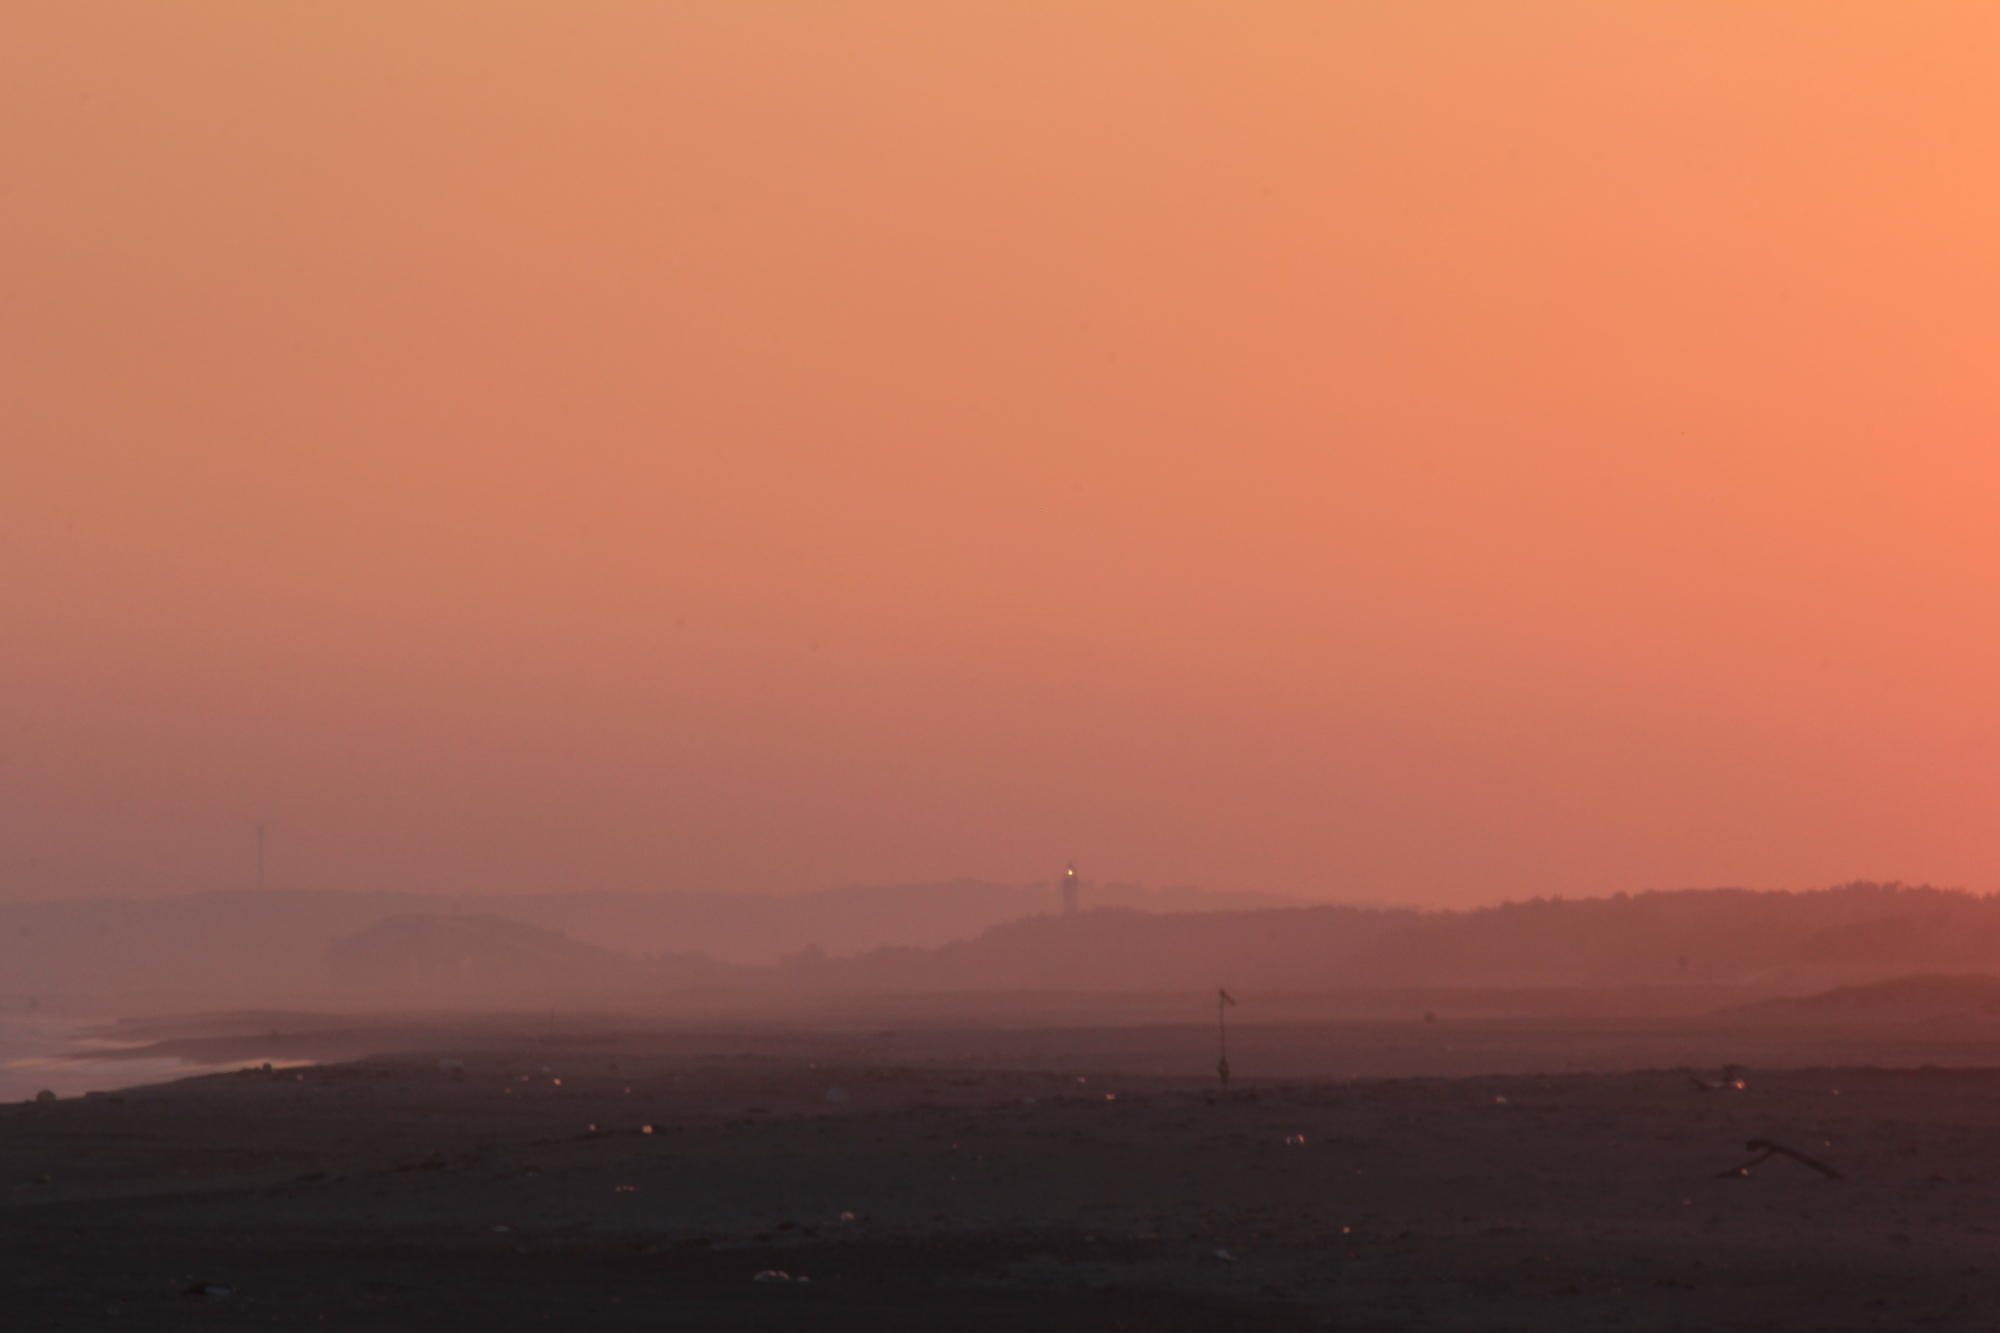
[{"x": 1069, "y": 890}]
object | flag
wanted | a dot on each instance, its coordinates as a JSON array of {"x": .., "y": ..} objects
[{"x": 1225, "y": 996}]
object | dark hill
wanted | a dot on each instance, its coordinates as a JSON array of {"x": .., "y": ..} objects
[
  {"x": 1723, "y": 937},
  {"x": 441, "y": 957},
  {"x": 1117, "y": 949},
  {"x": 1897, "y": 1000},
  {"x": 236, "y": 946}
]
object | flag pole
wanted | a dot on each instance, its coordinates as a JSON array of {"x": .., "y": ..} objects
[{"x": 1223, "y": 999}]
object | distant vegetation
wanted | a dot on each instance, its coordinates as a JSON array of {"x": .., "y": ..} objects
[
  {"x": 1711, "y": 937},
  {"x": 417, "y": 956},
  {"x": 220, "y": 946},
  {"x": 305, "y": 948}
]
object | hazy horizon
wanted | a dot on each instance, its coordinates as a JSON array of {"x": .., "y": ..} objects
[
  {"x": 1364, "y": 452},
  {"x": 1050, "y": 887}
]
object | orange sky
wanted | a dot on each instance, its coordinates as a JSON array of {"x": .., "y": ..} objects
[{"x": 1398, "y": 452}]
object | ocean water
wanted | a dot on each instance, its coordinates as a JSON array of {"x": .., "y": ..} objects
[{"x": 60, "y": 1055}]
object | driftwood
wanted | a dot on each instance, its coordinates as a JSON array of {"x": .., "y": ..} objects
[
  {"x": 1732, "y": 1080},
  {"x": 1766, "y": 1149}
]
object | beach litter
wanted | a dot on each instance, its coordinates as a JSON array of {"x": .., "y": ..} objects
[
  {"x": 1766, "y": 1149},
  {"x": 1731, "y": 1080},
  {"x": 1225, "y": 1256},
  {"x": 778, "y": 1275}
]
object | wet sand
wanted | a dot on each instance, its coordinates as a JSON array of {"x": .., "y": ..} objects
[{"x": 1016, "y": 1180}]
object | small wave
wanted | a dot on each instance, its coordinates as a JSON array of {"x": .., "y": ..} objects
[{"x": 60, "y": 1055}]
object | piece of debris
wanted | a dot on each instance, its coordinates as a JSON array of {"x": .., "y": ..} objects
[
  {"x": 208, "y": 1289},
  {"x": 1295, "y": 1140},
  {"x": 1766, "y": 1149},
  {"x": 847, "y": 1217},
  {"x": 838, "y": 1096},
  {"x": 1731, "y": 1080},
  {"x": 778, "y": 1275},
  {"x": 1225, "y": 1256}
]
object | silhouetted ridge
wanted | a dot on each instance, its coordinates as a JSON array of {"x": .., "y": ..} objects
[
  {"x": 228, "y": 945},
  {"x": 1899, "y": 999},
  {"x": 1117, "y": 949},
  {"x": 1729, "y": 937},
  {"x": 1741, "y": 941},
  {"x": 424, "y": 956}
]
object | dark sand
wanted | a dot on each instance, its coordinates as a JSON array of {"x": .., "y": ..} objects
[{"x": 1011, "y": 1180}]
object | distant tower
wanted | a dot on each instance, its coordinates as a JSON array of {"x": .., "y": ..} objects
[{"x": 1069, "y": 890}]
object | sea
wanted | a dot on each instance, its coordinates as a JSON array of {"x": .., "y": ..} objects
[{"x": 52, "y": 1053}]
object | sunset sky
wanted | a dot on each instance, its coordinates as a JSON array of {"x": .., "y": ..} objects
[{"x": 1397, "y": 452}]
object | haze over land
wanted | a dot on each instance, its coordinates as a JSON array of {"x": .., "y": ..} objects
[
  {"x": 673, "y": 958},
  {"x": 251, "y": 947}
]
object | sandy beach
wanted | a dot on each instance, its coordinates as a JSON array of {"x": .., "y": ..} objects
[{"x": 1014, "y": 1180}]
